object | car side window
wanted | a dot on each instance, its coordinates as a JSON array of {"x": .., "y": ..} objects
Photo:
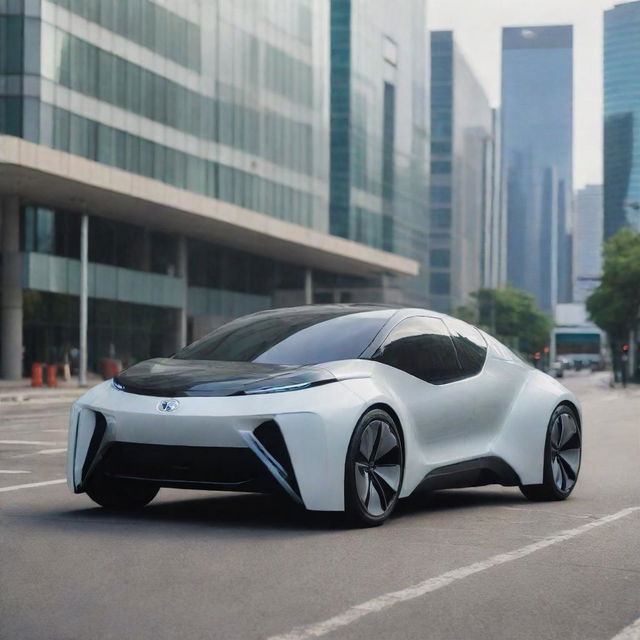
[
  {"x": 470, "y": 346},
  {"x": 422, "y": 347}
]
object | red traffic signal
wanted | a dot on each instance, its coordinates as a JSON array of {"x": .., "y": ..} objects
[
  {"x": 625, "y": 347},
  {"x": 546, "y": 349}
]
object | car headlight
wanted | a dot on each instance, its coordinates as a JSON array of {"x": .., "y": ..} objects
[{"x": 294, "y": 381}]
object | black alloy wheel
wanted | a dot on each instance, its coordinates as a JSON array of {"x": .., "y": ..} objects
[
  {"x": 562, "y": 457},
  {"x": 374, "y": 469}
]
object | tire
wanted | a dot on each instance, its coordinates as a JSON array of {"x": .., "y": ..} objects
[
  {"x": 374, "y": 469},
  {"x": 120, "y": 495},
  {"x": 562, "y": 457}
]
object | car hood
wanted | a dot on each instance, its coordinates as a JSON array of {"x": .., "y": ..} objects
[{"x": 172, "y": 377}]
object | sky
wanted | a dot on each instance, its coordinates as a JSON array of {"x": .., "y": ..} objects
[{"x": 477, "y": 26}]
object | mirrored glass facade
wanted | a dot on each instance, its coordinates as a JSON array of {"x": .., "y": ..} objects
[
  {"x": 238, "y": 101},
  {"x": 621, "y": 117},
  {"x": 379, "y": 127},
  {"x": 462, "y": 198},
  {"x": 124, "y": 84},
  {"x": 537, "y": 124}
]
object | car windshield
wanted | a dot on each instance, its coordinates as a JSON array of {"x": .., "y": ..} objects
[{"x": 301, "y": 336}]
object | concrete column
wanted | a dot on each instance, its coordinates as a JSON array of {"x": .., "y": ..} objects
[
  {"x": 308, "y": 286},
  {"x": 84, "y": 298},
  {"x": 182, "y": 272},
  {"x": 11, "y": 310}
]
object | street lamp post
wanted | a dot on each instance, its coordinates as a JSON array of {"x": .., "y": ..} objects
[
  {"x": 633, "y": 205},
  {"x": 84, "y": 295}
]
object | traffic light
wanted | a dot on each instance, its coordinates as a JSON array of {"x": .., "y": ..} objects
[
  {"x": 537, "y": 356},
  {"x": 625, "y": 348},
  {"x": 546, "y": 350}
]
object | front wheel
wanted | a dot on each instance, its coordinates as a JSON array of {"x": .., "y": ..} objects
[
  {"x": 118, "y": 494},
  {"x": 562, "y": 456},
  {"x": 374, "y": 468}
]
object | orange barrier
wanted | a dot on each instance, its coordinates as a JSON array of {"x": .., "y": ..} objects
[
  {"x": 110, "y": 368},
  {"x": 52, "y": 375},
  {"x": 36, "y": 374}
]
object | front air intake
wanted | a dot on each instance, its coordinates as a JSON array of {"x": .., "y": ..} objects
[
  {"x": 267, "y": 443},
  {"x": 99, "y": 428}
]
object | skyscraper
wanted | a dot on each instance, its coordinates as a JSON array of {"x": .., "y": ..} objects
[
  {"x": 379, "y": 134},
  {"x": 622, "y": 118},
  {"x": 464, "y": 207},
  {"x": 587, "y": 241},
  {"x": 193, "y": 139},
  {"x": 537, "y": 121}
]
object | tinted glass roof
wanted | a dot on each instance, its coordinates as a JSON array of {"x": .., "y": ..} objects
[{"x": 299, "y": 335}]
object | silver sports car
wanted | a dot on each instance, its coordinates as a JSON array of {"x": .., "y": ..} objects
[{"x": 343, "y": 407}]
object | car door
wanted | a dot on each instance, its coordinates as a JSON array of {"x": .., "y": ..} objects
[
  {"x": 489, "y": 390},
  {"x": 427, "y": 375}
]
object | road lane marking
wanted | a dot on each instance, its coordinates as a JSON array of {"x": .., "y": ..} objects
[
  {"x": 632, "y": 632},
  {"x": 42, "y": 452},
  {"x": 31, "y": 485},
  {"x": 8, "y": 471},
  {"x": 38, "y": 443},
  {"x": 375, "y": 605}
]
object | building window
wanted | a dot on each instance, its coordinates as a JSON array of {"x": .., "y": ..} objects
[
  {"x": 440, "y": 218},
  {"x": 440, "y": 166},
  {"x": 441, "y": 147},
  {"x": 440, "y": 284},
  {"x": 440, "y": 193},
  {"x": 440, "y": 258}
]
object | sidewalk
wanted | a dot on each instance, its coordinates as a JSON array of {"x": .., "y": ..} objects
[{"x": 22, "y": 391}]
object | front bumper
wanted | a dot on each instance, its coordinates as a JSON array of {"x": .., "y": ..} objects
[{"x": 293, "y": 441}]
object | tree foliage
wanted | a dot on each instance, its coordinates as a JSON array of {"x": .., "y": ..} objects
[
  {"x": 510, "y": 314},
  {"x": 615, "y": 305}
]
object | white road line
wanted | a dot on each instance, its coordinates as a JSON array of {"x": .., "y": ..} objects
[
  {"x": 350, "y": 615},
  {"x": 632, "y": 632},
  {"x": 9, "y": 471},
  {"x": 42, "y": 452},
  {"x": 34, "y": 442},
  {"x": 32, "y": 485}
]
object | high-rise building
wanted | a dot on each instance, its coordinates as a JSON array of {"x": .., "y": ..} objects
[
  {"x": 465, "y": 198},
  {"x": 494, "y": 242},
  {"x": 537, "y": 122},
  {"x": 622, "y": 118},
  {"x": 379, "y": 135},
  {"x": 193, "y": 138},
  {"x": 587, "y": 241}
]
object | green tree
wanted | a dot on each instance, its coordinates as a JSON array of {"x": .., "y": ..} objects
[
  {"x": 510, "y": 314},
  {"x": 615, "y": 305}
]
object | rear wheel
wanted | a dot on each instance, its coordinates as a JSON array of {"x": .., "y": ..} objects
[
  {"x": 374, "y": 467},
  {"x": 117, "y": 494},
  {"x": 562, "y": 455}
]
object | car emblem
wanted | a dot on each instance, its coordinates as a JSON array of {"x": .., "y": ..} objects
[{"x": 167, "y": 406}]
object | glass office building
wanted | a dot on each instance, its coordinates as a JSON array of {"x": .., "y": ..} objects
[
  {"x": 465, "y": 215},
  {"x": 588, "y": 241},
  {"x": 622, "y": 118},
  {"x": 195, "y": 137},
  {"x": 379, "y": 129},
  {"x": 537, "y": 123}
]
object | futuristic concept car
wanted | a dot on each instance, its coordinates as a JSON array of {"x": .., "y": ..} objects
[{"x": 342, "y": 407}]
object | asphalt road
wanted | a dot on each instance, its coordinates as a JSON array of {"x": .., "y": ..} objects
[{"x": 476, "y": 563}]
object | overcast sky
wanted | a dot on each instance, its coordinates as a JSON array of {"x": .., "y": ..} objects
[{"x": 477, "y": 26}]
